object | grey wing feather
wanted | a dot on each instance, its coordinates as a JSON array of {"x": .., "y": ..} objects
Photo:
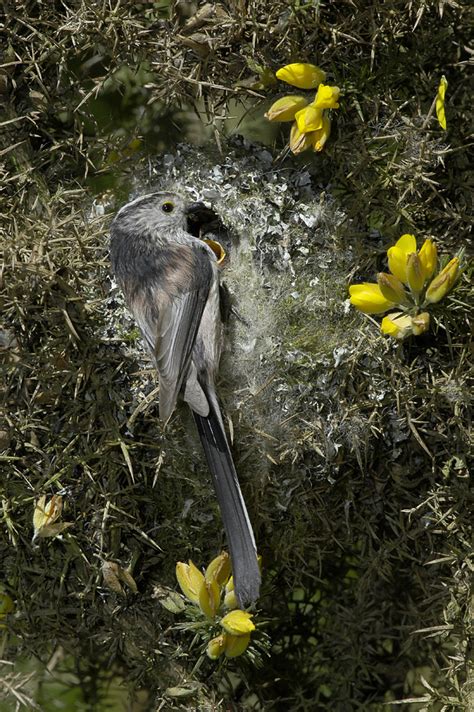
[
  {"x": 169, "y": 315},
  {"x": 173, "y": 349}
]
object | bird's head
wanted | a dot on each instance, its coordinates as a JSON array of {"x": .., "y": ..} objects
[{"x": 156, "y": 212}]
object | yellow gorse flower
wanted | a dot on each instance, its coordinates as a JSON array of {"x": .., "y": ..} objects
[
  {"x": 284, "y": 109},
  {"x": 231, "y": 645},
  {"x": 440, "y": 97},
  {"x": 209, "y": 598},
  {"x": 301, "y": 75},
  {"x": 321, "y": 135},
  {"x": 299, "y": 142},
  {"x": 219, "y": 569},
  {"x": 238, "y": 622},
  {"x": 45, "y": 516},
  {"x": 312, "y": 125},
  {"x": 398, "y": 256},
  {"x": 415, "y": 273},
  {"x": 230, "y": 599},
  {"x": 368, "y": 297},
  {"x": 429, "y": 257},
  {"x": 391, "y": 288},
  {"x": 216, "y": 646},
  {"x": 401, "y": 325},
  {"x": 410, "y": 286},
  {"x": 235, "y": 645},
  {"x": 420, "y": 323},
  {"x": 190, "y": 580},
  {"x": 443, "y": 282},
  {"x": 397, "y": 325},
  {"x": 409, "y": 266},
  {"x": 326, "y": 97},
  {"x": 235, "y": 639},
  {"x": 313, "y": 122},
  {"x": 212, "y": 592},
  {"x": 309, "y": 119}
]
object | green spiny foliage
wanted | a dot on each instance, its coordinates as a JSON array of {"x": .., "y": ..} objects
[{"x": 352, "y": 451}]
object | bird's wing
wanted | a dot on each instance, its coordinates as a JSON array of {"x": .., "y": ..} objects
[{"x": 168, "y": 304}]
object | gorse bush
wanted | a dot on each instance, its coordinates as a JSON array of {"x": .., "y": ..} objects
[{"x": 351, "y": 448}]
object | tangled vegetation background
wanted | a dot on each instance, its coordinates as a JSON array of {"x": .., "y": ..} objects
[{"x": 352, "y": 448}]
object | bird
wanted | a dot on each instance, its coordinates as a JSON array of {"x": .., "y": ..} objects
[{"x": 170, "y": 281}]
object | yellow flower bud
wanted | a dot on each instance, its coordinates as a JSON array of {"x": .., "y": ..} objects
[
  {"x": 216, "y": 646},
  {"x": 320, "y": 136},
  {"x": 440, "y": 110},
  {"x": 45, "y": 515},
  {"x": 428, "y": 257},
  {"x": 398, "y": 256},
  {"x": 420, "y": 323},
  {"x": 309, "y": 119},
  {"x": 190, "y": 580},
  {"x": 415, "y": 273},
  {"x": 47, "y": 512},
  {"x": 391, "y": 288},
  {"x": 326, "y": 97},
  {"x": 303, "y": 76},
  {"x": 238, "y": 622},
  {"x": 299, "y": 142},
  {"x": 230, "y": 600},
  {"x": 235, "y": 645},
  {"x": 443, "y": 282},
  {"x": 368, "y": 298},
  {"x": 219, "y": 569},
  {"x": 397, "y": 325},
  {"x": 209, "y": 598},
  {"x": 284, "y": 109}
]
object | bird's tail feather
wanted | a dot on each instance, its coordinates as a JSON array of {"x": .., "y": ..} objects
[{"x": 236, "y": 521}]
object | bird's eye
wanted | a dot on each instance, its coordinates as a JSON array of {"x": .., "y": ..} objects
[{"x": 167, "y": 207}]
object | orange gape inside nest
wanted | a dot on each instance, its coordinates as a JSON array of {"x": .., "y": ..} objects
[{"x": 217, "y": 249}]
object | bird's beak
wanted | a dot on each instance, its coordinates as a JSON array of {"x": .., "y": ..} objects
[
  {"x": 196, "y": 208},
  {"x": 199, "y": 216}
]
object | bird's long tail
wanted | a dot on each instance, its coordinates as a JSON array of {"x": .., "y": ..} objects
[{"x": 236, "y": 521}]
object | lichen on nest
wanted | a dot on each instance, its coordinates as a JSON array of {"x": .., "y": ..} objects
[{"x": 285, "y": 271}]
